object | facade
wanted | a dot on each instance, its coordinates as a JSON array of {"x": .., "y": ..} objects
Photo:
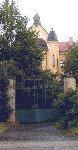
[{"x": 54, "y": 57}]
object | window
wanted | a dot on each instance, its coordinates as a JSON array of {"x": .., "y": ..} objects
[
  {"x": 61, "y": 63},
  {"x": 53, "y": 60},
  {"x": 57, "y": 62}
]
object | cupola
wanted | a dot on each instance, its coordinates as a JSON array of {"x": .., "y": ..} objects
[
  {"x": 37, "y": 20},
  {"x": 52, "y": 36}
]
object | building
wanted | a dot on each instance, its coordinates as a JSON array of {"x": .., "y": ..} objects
[{"x": 54, "y": 57}]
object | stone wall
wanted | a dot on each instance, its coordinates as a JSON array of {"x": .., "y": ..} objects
[{"x": 69, "y": 82}]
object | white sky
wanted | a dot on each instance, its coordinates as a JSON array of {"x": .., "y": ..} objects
[{"x": 62, "y": 15}]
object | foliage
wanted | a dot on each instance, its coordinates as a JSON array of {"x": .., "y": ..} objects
[
  {"x": 11, "y": 21},
  {"x": 17, "y": 43},
  {"x": 67, "y": 106},
  {"x": 71, "y": 61},
  {"x": 28, "y": 57},
  {"x": 53, "y": 85},
  {"x": 4, "y": 108}
]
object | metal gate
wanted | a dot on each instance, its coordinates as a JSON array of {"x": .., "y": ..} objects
[
  {"x": 33, "y": 101},
  {"x": 33, "y": 93}
]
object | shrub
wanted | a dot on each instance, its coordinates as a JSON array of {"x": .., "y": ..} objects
[
  {"x": 4, "y": 108},
  {"x": 67, "y": 106}
]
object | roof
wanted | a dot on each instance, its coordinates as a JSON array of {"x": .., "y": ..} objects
[
  {"x": 52, "y": 36},
  {"x": 42, "y": 43},
  {"x": 64, "y": 46}
]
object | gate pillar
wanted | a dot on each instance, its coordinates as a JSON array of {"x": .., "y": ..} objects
[
  {"x": 11, "y": 99},
  {"x": 69, "y": 82}
]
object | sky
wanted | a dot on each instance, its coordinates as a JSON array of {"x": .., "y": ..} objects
[{"x": 61, "y": 15}]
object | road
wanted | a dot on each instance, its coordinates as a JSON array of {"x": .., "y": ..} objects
[
  {"x": 69, "y": 148},
  {"x": 66, "y": 145}
]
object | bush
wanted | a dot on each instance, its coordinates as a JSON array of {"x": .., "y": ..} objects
[
  {"x": 4, "y": 108},
  {"x": 67, "y": 107}
]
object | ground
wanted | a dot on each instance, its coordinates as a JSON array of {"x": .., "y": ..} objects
[
  {"x": 34, "y": 132},
  {"x": 36, "y": 137}
]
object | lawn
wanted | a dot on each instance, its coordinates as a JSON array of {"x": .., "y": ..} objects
[
  {"x": 4, "y": 126},
  {"x": 73, "y": 132},
  {"x": 70, "y": 132}
]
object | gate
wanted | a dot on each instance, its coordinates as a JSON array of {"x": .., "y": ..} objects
[{"x": 33, "y": 101}]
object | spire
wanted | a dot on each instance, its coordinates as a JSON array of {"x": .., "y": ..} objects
[
  {"x": 7, "y": 1},
  {"x": 12, "y": 2},
  {"x": 37, "y": 20}
]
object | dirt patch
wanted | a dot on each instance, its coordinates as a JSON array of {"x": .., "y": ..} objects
[{"x": 34, "y": 132}]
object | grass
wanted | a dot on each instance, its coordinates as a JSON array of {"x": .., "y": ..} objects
[
  {"x": 4, "y": 126},
  {"x": 73, "y": 132}
]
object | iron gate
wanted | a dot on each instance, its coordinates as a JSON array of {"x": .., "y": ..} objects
[
  {"x": 34, "y": 101},
  {"x": 33, "y": 93}
]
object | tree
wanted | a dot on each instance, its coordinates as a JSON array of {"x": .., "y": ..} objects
[
  {"x": 17, "y": 43},
  {"x": 71, "y": 61},
  {"x": 19, "y": 51},
  {"x": 11, "y": 21},
  {"x": 28, "y": 56}
]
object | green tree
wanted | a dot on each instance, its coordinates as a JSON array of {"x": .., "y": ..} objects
[
  {"x": 71, "y": 61},
  {"x": 27, "y": 55},
  {"x": 11, "y": 21},
  {"x": 19, "y": 51},
  {"x": 18, "y": 43}
]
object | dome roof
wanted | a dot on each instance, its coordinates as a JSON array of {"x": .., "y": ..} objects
[{"x": 52, "y": 36}]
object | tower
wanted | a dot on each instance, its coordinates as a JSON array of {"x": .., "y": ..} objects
[
  {"x": 50, "y": 42},
  {"x": 53, "y": 52}
]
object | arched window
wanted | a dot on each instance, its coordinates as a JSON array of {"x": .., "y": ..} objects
[
  {"x": 57, "y": 62},
  {"x": 53, "y": 60}
]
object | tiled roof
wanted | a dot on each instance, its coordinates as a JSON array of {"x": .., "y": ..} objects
[{"x": 64, "y": 46}]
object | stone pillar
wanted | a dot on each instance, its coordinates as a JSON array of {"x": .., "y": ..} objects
[
  {"x": 11, "y": 99},
  {"x": 69, "y": 82}
]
